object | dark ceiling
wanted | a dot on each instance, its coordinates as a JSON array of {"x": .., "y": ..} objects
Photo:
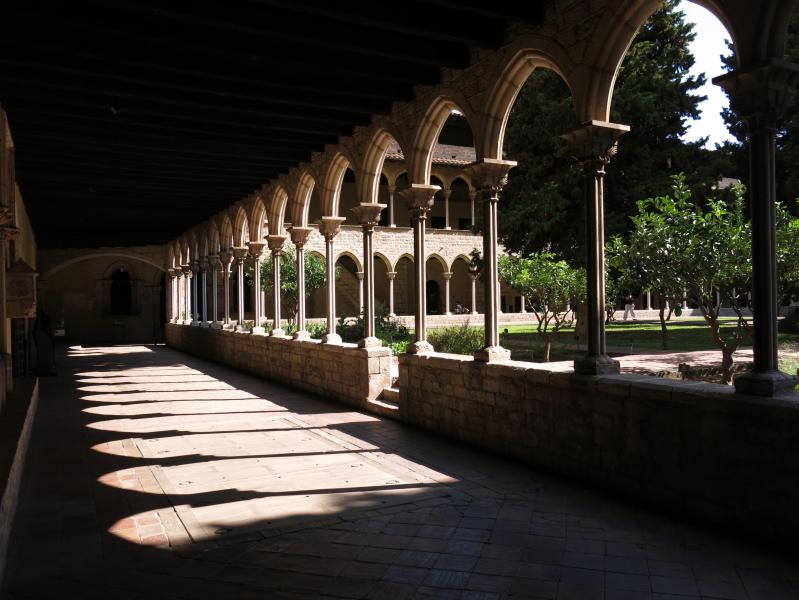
[{"x": 133, "y": 120}]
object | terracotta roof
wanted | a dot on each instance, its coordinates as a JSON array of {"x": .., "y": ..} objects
[{"x": 443, "y": 154}]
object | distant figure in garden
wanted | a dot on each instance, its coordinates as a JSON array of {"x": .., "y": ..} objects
[
  {"x": 460, "y": 309},
  {"x": 629, "y": 306}
]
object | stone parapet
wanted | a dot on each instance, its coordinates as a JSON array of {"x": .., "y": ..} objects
[
  {"x": 695, "y": 449},
  {"x": 342, "y": 372}
]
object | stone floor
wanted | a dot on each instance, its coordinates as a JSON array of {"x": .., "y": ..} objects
[{"x": 155, "y": 475}]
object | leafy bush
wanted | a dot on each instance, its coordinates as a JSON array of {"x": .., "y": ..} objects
[
  {"x": 389, "y": 330},
  {"x": 316, "y": 330},
  {"x": 457, "y": 340}
]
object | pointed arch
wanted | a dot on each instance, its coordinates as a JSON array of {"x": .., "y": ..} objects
[
  {"x": 212, "y": 233},
  {"x": 300, "y": 203},
  {"x": 506, "y": 87},
  {"x": 330, "y": 183},
  {"x": 257, "y": 217},
  {"x": 225, "y": 232},
  {"x": 357, "y": 261},
  {"x": 241, "y": 229},
  {"x": 372, "y": 165},
  {"x": 276, "y": 209},
  {"x": 429, "y": 129}
]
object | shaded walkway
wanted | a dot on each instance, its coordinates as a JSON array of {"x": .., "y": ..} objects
[{"x": 155, "y": 475}]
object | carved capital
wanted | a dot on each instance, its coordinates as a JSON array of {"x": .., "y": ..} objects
[
  {"x": 595, "y": 142},
  {"x": 391, "y": 275},
  {"x": 7, "y": 218},
  {"x": 225, "y": 258},
  {"x": 256, "y": 249},
  {"x": 215, "y": 261},
  {"x": 276, "y": 243},
  {"x": 368, "y": 214},
  {"x": 173, "y": 272},
  {"x": 490, "y": 175},
  {"x": 186, "y": 269},
  {"x": 420, "y": 197},
  {"x": 447, "y": 276},
  {"x": 330, "y": 226},
  {"x": 300, "y": 235},
  {"x": 760, "y": 95},
  {"x": 239, "y": 254}
]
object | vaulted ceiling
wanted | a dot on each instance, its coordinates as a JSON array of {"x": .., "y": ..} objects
[{"x": 135, "y": 119}]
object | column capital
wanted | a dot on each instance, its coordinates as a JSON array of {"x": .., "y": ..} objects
[
  {"x": 368, "y": 214},
  {"x": 420, "y": 196},
  {"x": 300, "y": 235},
  {"x": 447, "y": 276},
  {"x": 225, "y": 257},
  {"x": 173, "y": 272},
  {"x": 186, "y": 269},
  {"x": 359, "y": 275},
  {"x": 203, "y": 263},
  {"x": 276, "y": 242},
  {"x": 256, "y": 249},
  {"x": 391, "y": 275},
  {"x": 195, "y": 266},
  {"x": 391, "y": 189},
  {"x": 215, "y": 261},
  {"x": 330, "y": 226},
  {"x": 595, "y": 141},
  {"x": 490, "y": 174},
  {"x": 761, "y": 94},
  {"x": 240, "y": 253}
]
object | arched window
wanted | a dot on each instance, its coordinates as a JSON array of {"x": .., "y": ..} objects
[{"x": 121, "y": 293}]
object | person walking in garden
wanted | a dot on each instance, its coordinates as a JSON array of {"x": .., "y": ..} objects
[{"x": 629, "y": 306}]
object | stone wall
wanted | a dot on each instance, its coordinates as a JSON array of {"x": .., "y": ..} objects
[
  {"x": 355, "y": 376},
  {"x": 692, "y": 448}
]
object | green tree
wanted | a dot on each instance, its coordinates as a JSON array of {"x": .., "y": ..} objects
[
  {"x": 541, "y": 208},
  {"x": 314, "y": 277},
  {"x": 551, "y": 288},
  {"x": 787, "y": 255},
  {"x": 706, "y": 251}
]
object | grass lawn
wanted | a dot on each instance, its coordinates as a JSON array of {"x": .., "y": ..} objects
[{"x": 684, "y": 335}]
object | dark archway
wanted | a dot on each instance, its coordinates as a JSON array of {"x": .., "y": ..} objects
[{"x": 121, "y": 293}]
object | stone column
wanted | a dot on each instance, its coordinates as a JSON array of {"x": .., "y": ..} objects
[
  {"x": 174, "y": 311},
  {"x": 685, "y": 300},
  {"x": 524, "y": 305},
  {"x": 472, "y": 196},
  {"x": 239, "y": 254},
  {"x": 256, "y": 249},
  {"x": 420, "y": 201},
  {"x": 216, "y": 265},
  {"x": 391, "y": 190},
  {"x": 359, "y": 276},
  {"x": 447, "y": 194},
  {"x": 593, "y": 144},
  {"x": 760, "y": 96},
  {"x": 391, "y": 275},
  {"x": 329, "y": 228},
  {"x": 299, "y": 236},
  {"x": 276, "y": 246},
  {"x": 187, "y": 316},
  {"x": 489, "y": 177},
  {"x": 226, "y": 258},
  {"x": 648, "y": 300},
  {"x": 368, "y": 215},
  {"x": 195, "y": 296},
  {"x": 473, "y": 277},
  {"x": 204, "y": 286},
  {"x": 447, "y": 277}
]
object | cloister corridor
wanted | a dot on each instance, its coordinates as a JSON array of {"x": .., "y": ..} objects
[{"x": 152, "y": 474}]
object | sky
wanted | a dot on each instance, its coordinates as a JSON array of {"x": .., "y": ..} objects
[{"x": 707, "y": 48}]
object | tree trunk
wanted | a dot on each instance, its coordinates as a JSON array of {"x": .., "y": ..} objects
[
  {"x": 547, "y": 347},
  {"x": 726, "y": 366},
  {"x": 664, "y": 332}
]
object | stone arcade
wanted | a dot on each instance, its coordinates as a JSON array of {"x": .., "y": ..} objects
[{"x": 363, "y": 176}]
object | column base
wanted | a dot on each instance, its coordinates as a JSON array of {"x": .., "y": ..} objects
[
  {"x": 205, "y": 323},
  {"x": 301, "y": 335},
  {"x": 448, "y": 313},
  {"x": 216, "y": 325},
  {"x": 370, "y": 342},
  {"x": 228, "y": 326},
  {"x": 258, "y": 331},
  {"x": 331, "y": 338},
  {"x": 277, "y": 333},
  {"x": 492, "y": 354},
  {"x": 241, "y": 329},
  {"x": 392, "y": 315},
  {"x": 423, "y": 347},
  {"x": 768, "y": 383},
  {"x": 196, "y": 323},
  {"x": 596, "y": 364}
]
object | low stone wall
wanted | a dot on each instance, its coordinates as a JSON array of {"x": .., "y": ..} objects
[
  {"x": 346, "y": 373},
  {"x": 697, "y": 449}
]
